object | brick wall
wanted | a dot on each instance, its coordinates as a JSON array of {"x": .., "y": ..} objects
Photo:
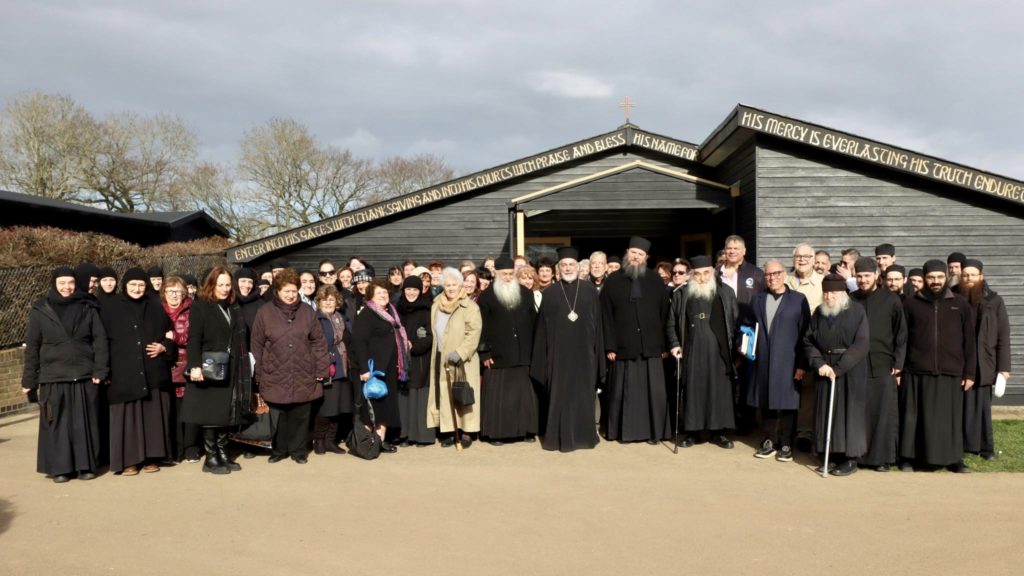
[{"x": 12, "y": 361}]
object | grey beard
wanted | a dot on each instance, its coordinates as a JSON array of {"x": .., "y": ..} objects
[
  {"x": 634, "y": 272},
  {"x": 701, "y": 291},
  {"x": 507, "y": 293},
  {"x": 569, "y": 278},
  {"x": 832, "y": 312}
]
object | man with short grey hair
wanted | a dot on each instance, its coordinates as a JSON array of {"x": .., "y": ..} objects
[
  {"x": 807, "y": 281},
  {"x": 598, "y": 269}
]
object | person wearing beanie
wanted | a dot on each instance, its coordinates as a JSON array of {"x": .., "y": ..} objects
[
  {"x": 702, "y": 323},
  {"x": 156, "y": 278},
  {"x": 107, "y": 285},
  {"x": 141, "y": 357},
  {"x": 915, "y": 278},
  {"x": 87, "y": 277},
  {"x": 508, "y": 401},
  {"x": 941, "y": 365},
  {"x": 992, "y": 325},
  {"x": 634, "y": 306},
  {"x": 414, "y": 309},
  {"x": 66, "y": 358},
  {"x": 888, "y": 347},
  {"x": 896, "y": 280},
  {"x": 954, "y": 264},
  {"x": 837, "y": 345},
  {"x": 885, "y": 256},
  {"x": 614, "y": 264}
]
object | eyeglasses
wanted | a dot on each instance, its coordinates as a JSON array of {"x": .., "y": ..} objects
[
  {"x": 803, "y": 256},
  {"x": 679, "y": 272},
  {"x": 774, "y": 274},
  {"x": 170, "y": 292},
  {"x": 327, "y": 272}
]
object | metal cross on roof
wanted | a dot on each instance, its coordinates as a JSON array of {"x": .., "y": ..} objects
[{"x": 627, "y": 106}]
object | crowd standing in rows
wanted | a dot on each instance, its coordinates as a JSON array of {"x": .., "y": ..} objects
[{"x": 171, "y": 369}]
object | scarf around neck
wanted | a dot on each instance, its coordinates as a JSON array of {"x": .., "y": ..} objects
[
  {"x": 447, "y": 305},
  {"x": 390, "y": 315}
]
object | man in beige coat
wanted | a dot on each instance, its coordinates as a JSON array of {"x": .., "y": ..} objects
[{"x": 457, "y": 326}]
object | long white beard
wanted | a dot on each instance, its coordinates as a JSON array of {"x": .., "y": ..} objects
[
  {"x": 839, "y": 308},
  {"x": 632, "y": 271},
  {"x": 507, "y": 292},
  {"x": 701, "y": 291},
  {"x": 570, "y": 278}
]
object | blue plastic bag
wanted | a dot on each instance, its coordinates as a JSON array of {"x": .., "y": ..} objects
[
  {"x": 375, "y": 388},
  {"x": 748, "y": 341}
]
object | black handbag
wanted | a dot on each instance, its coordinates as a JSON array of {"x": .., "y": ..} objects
[
  {"x": 362, "y": 441},
  {"x": 462, "y": 392},
  {"x": 215, "y": 366}
]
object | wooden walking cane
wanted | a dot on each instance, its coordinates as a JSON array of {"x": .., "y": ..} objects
[
  {"x": 828, "y": 430},
  {"x": 451, "y": 404},
  {"x": 679, "y": 379}
]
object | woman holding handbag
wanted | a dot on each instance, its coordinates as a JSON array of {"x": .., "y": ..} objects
[
  {"x": 219, "y": 396},
  {"x": 378, "y": 336},
  {"x": 291, "y": 365},
  {"x": 457, "y": 328}
]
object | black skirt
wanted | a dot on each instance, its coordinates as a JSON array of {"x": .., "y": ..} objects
[
  {"x": 140, "y": 431},
  {"x": 637, "y": 406},
  {"x": 412, "y": 403},
  {"x": 207, "y": 404},
  {"x": 70, "y": 437},
  {"x": 337, "y": 399},
  {"x": 978, "y": 420},
  {"x": 883, "y": 420},
  {"x": 508, "y": 403}
]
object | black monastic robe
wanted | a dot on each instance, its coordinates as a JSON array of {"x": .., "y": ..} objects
[{"x": 508, "y": 402}]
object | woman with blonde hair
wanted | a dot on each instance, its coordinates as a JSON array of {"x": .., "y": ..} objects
[{"x": 527, "y": 277}]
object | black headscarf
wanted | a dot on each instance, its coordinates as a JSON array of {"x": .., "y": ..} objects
[
  {"x": 84, "y": 272},
  {"x": 253, "y": 294},
  {"x": 68, "y": 309},
  {"x": 136, "y": 304}
]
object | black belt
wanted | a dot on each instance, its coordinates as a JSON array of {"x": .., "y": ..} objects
[{"x": 836, "y": 351}]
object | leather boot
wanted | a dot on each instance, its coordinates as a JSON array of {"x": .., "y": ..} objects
[
  {"x": 222, "y": 451},
  {"x": 213, "y": 463},
  {"x": 328, "y": 440}
]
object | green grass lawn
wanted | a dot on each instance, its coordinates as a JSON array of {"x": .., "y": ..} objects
[{"x": 1009, "y": 440}]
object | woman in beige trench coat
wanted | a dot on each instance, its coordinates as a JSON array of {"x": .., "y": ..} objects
[{"x": 457, "y": 327}]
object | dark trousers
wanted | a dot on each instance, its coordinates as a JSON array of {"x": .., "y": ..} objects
[
  {"x": 778, "y": 426},
  {"x": 292, "y": 428},
  {"x": 188, "y": 436}
]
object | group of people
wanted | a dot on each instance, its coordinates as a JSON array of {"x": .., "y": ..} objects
[{"x": 169, "y": 369}]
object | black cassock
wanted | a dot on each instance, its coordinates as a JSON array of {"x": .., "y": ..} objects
[
  {"x": 842, "y": 342},
  {"x": 708, "y": 393},
  {"x": 567, "y": 363},
  {"x": 508, "y": 402},
  {"x": 888, "y": 330},
  {"x": 634, "y": 313}
]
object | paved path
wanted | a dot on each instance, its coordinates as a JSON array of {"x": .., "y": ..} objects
[{"x": 514, "y": 509}]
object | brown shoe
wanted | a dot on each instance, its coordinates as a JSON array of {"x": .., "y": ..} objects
[
  {"x": 150, "y": 468},
  {"x": 130, "y": 471}
]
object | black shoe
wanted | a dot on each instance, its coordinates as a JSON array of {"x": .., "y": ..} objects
[
  {"x": 330, "y": 446},
  {"x": 530, "y": 439},
  {"x": 906, "y": 466},
  {"x": 803, "y": 445},
  {"x": 685, "y": 442},
  {"x": 767, "y": 449},
  {"x": 495, "y": 442},
  {"x": 959, "y": 468},
  {"x": 990, "y": 456},
  {"x": 275, "y": 458},
  {"x": 300, "y": 459},
  {"x": 448, "y": 442},
  {"x": 722, "y": 442},
  {"x": 222, "y": 451},
  {"x": 882, "y": 468},
  {"x": 466, "y": 442},
  {"x": 845, "y": 469},
  {"x": 831, "y": 467},
  {"x": 653, "y": 442},
  {"x": 785, "y": 454},
  {"x": 61, "y": 478},
  {"x": 318, "y": 447},
  {"x": 248, "y": 455},
  {"x": 86, "y": 475},
  {"x": 388, "y": 448}
]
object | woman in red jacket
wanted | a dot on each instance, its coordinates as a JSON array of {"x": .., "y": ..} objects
[
  {"x": 178, "y": 306},
  {"x": 291, "y": 364}
]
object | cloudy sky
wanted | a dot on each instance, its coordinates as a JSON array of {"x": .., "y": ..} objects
[{"x": 486, "y": 82}]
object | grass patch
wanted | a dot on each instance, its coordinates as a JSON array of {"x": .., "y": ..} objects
[{"x": 1009, "y": 441}]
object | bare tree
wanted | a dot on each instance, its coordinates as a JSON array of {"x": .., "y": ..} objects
[
  {"x": 211, "y": 188},
  {"x": 399, "y": 175},
  {"x": 136, "y": 164},
  {"x": 298, "y": 180},
  {"x": 44, "y": 139}
]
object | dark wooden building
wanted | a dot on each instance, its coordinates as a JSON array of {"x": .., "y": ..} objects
[
  {"x": 774, "y": 180},
  {"x": 142, "y": 228}
]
